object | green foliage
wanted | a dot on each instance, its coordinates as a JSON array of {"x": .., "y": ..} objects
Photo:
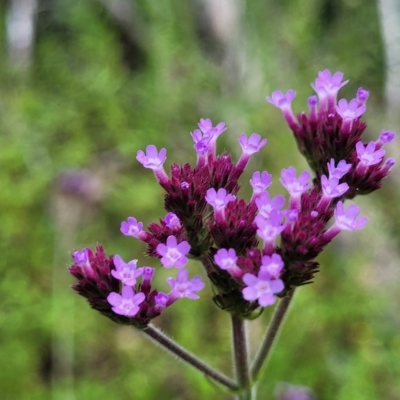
[{"x": 91, "y": 98}]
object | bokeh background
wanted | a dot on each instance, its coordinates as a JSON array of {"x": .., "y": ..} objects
[{"x": 84, "y": 84}]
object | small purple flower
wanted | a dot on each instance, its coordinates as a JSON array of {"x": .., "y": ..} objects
[
  {"x": 346, "y": 219},
  {"x": 253, "y": 144},
  {"x": 369, "y": 155},
  {"x": 331, "y": 187},
  {"x": 81, "y": 258},
  {"x": 387, "y": 165},
  {"x": 148, "y": 273},
  {"x": 384, "y": 137},
  {"x": 173, "y": 254},
  {"x": 295, "y": 186},
  {"x": 327, "y": 86},
  {"x": 265, "y": 205},
  {"x": 126, "y": 304},
  {"x": 328, "y": 83},
  {"x": 183, "y": 287},
  {"x": 152, "y": 159},
  {"x": 312, "y": 108},
  {"x": 362, "y": 95},
  {"x": 273, "y": 265},
  {"x": 172, "y": 221},
  {"x": 261, "y": 287},
  {"x": 270, "y": 229},
  {"x": 161, "y": 301},
  {"x": 351, "y": 110},
  {"x": 284, "y": 102},
  {"x": 126, "y": 272},
  {"x": 206, "y": 126},
  {"x": 131, "y": 227},
  {"x": 339, "y": 171},
  {"x": 260, "y": 181},
  {"x": 280, "y": 100},
  {"x": 185, "y": 185},
  {"x": 218, "y": 200},
  {"x": 225, "y": 259}
]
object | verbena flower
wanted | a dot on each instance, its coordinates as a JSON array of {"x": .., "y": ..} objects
[{"x": 255, "y": 250}]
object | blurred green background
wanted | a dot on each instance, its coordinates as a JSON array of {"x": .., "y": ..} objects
[{"x": 84, "y": 85}]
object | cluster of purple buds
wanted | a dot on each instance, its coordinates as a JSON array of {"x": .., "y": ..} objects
[{"x": 252, "y": 251}]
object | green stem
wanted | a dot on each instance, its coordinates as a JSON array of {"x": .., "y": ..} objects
[
  {"x": 182, "y": 354},
  {"x": 271, "y": 335},
  {"x": 240, "y": 356}
]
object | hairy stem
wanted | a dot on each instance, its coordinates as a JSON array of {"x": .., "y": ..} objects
[
  {"x": 182, "y": 354},
  {"x": 271, "y": 335},
  {"x": 240, "y": 356}
]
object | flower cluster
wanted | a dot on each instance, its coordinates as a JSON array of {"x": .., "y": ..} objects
[{"x": 252, "y": 251}]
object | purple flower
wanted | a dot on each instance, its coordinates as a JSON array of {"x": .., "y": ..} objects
[
  {"x": 270, "y": 229},
  {"x": 126, "y": 272},
  {"x": 126, "y": 304},
  {"x": 131, "y": 227},
  {"x": 295, "y": 186},
  {"x": 225, "y": 259},
  {"x": 218, "y": 200},
  {"x": 161, "y": 301},
  {"x": 182, "y": 287},
  {"x": 350, "y": 110},
  {"x": 265, "y": 205},
  {"x": 280, "y": 100},
  {"x": 172, "y": 221},
  {"x": 284, "y": 102},
  {"x": 251, "y": 145},
  {"x": 148, "y": 273},
  {"x": 362, "y": 95},
  {"x": 206, "y": 125},
  {"x": 339, "y": 171},
  {"x": 81, "y": 258},
  {"x": 260, "y": 181},
  {"x": 368, "y": 155},
  {"x": 312, "y": 108},
  {"x": 261, "y": 287},
  {"x": 152, "y": 159},
  {"x": 384, "y": 137},
  {"x": 331, "y": 187},
  {"x": 273, "y": 265},
  {"x": 346, "y": 219},
  {"x": 173, "y": 254},
  {"x": 327, "y": 86}
]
